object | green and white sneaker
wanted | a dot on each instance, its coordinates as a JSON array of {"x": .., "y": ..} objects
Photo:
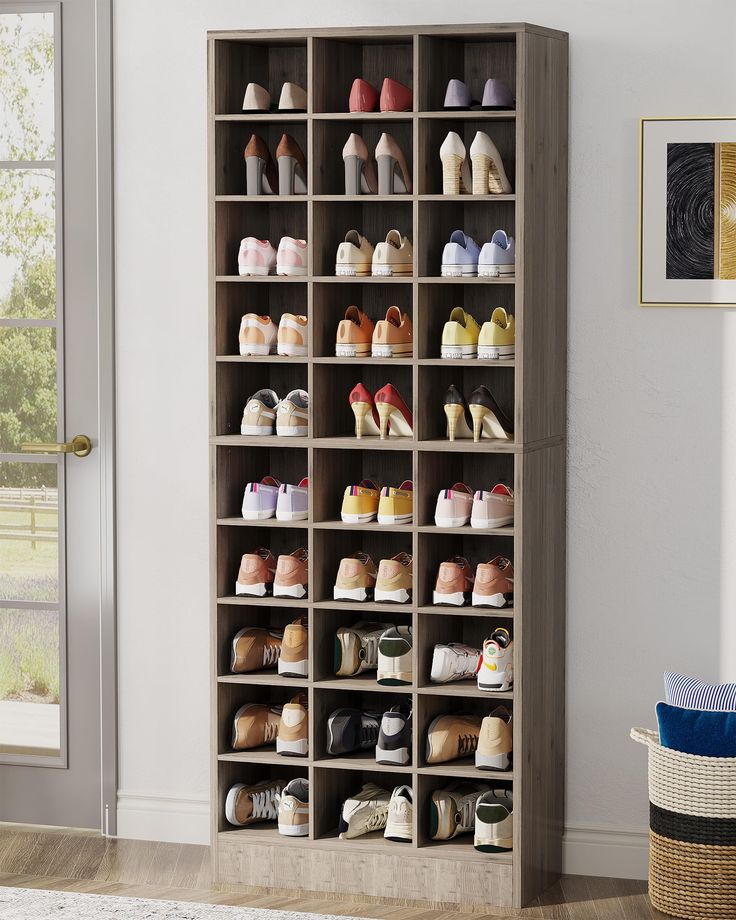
[
  {"x": 400, "y": 812},
  {"x": 394, "y": 656},
  {"x": 494, "y": 822}
]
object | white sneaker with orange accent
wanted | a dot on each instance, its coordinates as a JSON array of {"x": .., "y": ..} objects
[
  {"x": 292, "y": 335},
  {"x": 292, "y": 257},
  {"x": 257, "y": 335}
]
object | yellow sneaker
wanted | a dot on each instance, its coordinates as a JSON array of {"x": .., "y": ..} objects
[
  {"x": 460, "y": 335},
  {"x": 360, "y": 503},
  {"x": 497, "y": 336},
  {"x": 395, "y": 505}
]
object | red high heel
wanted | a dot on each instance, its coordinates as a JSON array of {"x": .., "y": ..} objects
[{"x": 394, "y": 414}]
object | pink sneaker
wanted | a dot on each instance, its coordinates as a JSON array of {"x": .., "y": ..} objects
[
  {"x": 454, "y": 506},
  {"x": 256, "y": 257},
  {"x": 494, "y": 508},
  {"x": 292, "y": 257}
]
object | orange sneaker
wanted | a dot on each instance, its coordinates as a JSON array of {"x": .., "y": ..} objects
[
  {"x": 291, "y": 577},
  {"x": 354, "y": 334},
  {"x": 257, "y": 570},
  {"x": 494, "y": 583},
  {"x": 393, "y": 336},
  {"x": 454, "y": 582}
]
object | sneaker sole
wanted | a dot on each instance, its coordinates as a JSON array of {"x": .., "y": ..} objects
[
  {"x": 297, "y": 591},
  {"x": 492, "y": 761},
  {"x": 398, "y": 756},
  {"x": 230, "y": 804},
  {"x": 495, "y": 352},
  {"x": 401, "y": 596},
  {"x": 292, "y": 748},
  {"x": 258, "y": 590},
  {"x": 485, "y": 524},
  {"x": 294, "y": 830},
  {"x": 349, "y": 594},
  {"x": 490, "y": 600},
  {"x": 292, "y": 431},
  {"x": 448, "y": 600},
  {"x": 293, "y": 668},
  {"x": 256, "y": 430},
  {"x": 455, "y": 352},
  {"x": 291, "y": 351}
]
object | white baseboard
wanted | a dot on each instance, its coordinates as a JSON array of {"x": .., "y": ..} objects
[
  {"x": 172, "y": 820},
  {"x": 586, "y": 850}
]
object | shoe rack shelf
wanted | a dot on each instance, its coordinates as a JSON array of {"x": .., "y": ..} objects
[{"x": 532, "y": 387}]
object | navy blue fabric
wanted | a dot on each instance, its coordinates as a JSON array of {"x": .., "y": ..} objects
[{"x": 692, "y": 731}]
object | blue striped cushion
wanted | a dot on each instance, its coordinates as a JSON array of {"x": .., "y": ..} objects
[{"x": 693, "y": 693}]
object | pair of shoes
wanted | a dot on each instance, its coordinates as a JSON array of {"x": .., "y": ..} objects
[
  {"x": 458, "y": 735},
  {"x": 359, "y": 580},
  {"x": 375, "y": 809},
  {"x": 360, "y": 170},
  {"x": 259, "y": 724},
  {"x": 394, "y": 97},
  {"x": 288, "y": 176},
  {"x": 380, "y": 647},
  {"x": 259, "y": 335},
  {"x": 492, "y": 585},
  {"x": 466, "y": 807},
  {"x": 479, "y": 417},
  {"x": 384, "y": 414},
  {"x": 271, "y": 800},
  {"x": 493, "y": 664},
  {"x": 258, "y": 257},
  {"x": 463, "y": 257},
  {"x": 260, "y": 574},
  {"x": 458, "y": 505},
  {"x": 496, "y": 95},
  {"x": 256, "y": 648},
  {"x": 366, "y": 502},
  {"x": 463, "y": 338},
  {"x": 350, "y": 730},
  {"x": 356, "y": 256},
  {"x": 489, "y": 175},
  {"x": 293, "y": 98},
  {"x": 358, "y": 337},
  {"x": 271, "y": 498},
  {"x": 265, "y": 414}
]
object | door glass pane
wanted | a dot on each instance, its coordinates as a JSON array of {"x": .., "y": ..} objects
[
  {"x": 28, "y": 409},
  {"x": 27, "y": 86},
  {"x": 29, "y": 682},
  {"x": 27, "y": 243},
  {"x": 29, "y": 532}
]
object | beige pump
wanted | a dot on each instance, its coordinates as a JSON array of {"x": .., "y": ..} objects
[
  {"x": 360, "y": 173},
  {"x": 489, "y": 175},
  {"x": 393, "y": 173},
  {"x": 455, "y": 169}
]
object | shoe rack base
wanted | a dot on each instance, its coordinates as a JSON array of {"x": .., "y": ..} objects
[{"x": 532, "y": 139}]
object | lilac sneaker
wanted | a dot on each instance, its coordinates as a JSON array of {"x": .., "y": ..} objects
[
  {"x": 497, "y": 258},
  {"x": 460, "y": 256},
  {"x": 259, "y": 499},
  {"x": 497, "y": 95},
  {"x": 457, "y": 96},
  {"x": 293, "y": 502}
]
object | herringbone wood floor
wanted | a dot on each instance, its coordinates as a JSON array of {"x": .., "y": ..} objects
[{"x": 68, "y": 860}]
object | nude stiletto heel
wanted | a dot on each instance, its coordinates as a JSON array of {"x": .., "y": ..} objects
[
  {"x": 360, "y": 176},
  {"x": 455, "y": 169},
  {"x": 260, "y": 170},
  {"x": 393, "y": 172},
  {"x": 292, "y": 167}
]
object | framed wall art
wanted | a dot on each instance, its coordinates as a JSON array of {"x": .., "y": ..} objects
[{"x": 687, "y": 212}]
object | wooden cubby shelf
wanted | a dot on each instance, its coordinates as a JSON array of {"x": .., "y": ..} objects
[{"x": 531, "y": 387}]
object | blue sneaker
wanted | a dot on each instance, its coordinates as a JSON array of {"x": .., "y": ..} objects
[{"x": 460, "y": 256}]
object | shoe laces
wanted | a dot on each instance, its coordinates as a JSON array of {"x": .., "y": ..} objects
[
  {"x": 377, "y": 819},
  {"x": 466, "y": 813},
  {"x": 368, "y": 731},
  {"x": 271, "y": 730},
  {"x": 466, "y": 744},
  {"x": 266, "y": 804},
  {"x": 270, "y": 655}
]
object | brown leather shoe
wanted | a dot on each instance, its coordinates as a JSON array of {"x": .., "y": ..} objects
[
  {"x": 254, "y": 725},
  {"x": 292, "y": 166},
  {"x": 260, "y": 170},
  {"x": 255, "y": 648}
]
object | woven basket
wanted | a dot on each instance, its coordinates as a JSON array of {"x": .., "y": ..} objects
[{"x": 692, "y": 832}]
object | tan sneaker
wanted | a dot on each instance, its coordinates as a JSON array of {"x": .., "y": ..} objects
[
  {"x": 356, "y": 647},
  {"x": 393, "y": 583},
  {"x": 452, "y": 737},
  {"x": 454, "y": 582},
  {"x": 494, "y": 583},
  {"x": 292, "y": 418},
  {"x": 254, "y": 725},
  {"x": 496, "y": 741},
  {"x": 246, "y": 805},
  {"x": 393, "y": 257},
  {"x": 393, "y": 336},
  {"x": 293, "y": 733},
  {"x": 259, "y": 414},
  {"x": 291, "y": 579},
  {"x": 294, "y": 657},
  {"x": 292, "y": 335},
  {"x": 254, "y": 649},
  {"x": 452, "y": 810},
  {"x": 354, "y": 255},
  {"x": 257, "y": 570},
  {"x": 257, "y": 335},
  {"x": 294, "y": 808},
  {"x": 356, "y": 578}
]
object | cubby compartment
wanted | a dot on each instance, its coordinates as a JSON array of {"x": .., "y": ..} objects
[
  {"x": 435, "y": 303},
  {"x": 231, "y": 139},
  {"x": 471, "y": 58},
  {"x": 234, "y": 542},
  {"x": 330, "y": 301},
  {"x": 339, "y": 61},
  {"x": 434, "y": 382},
  {"x": 477, "y": 216},
  {"x": 440, "y": 470},
  {"x": 230, "y": 698},
  {"x": 262, "y": 219},
  {"x": 328, "y": 699},
  {"x": 238, "y": 381},
  {"x": 231, "y": 618},
  {"x": 231, "y": 772},
  {"x": 332, "y": 385},
  {"x": 335, "y": 470},
  {"x": 326, "y": 623},
  {"x": 330, "y": 138},
  {"x": 371, "y": 217},
  {"x": 264, "y": 298},
  {"x": 476, "y": 547},
  {"x": 237, "y": 466},
  {"x": 433, "y": 131},
  {"x": 269, "y": 62},
  {"x": 333, "y": 544}
]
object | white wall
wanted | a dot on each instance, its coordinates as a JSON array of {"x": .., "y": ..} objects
[{"x": 652, "y": 512}]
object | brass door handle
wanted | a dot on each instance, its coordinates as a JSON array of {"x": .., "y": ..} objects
[{"x": 80, "y": 445}]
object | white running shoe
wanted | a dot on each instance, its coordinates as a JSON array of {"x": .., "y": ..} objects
[
  {"x": 494, "y": 822},
  {"x": 257, "y": 335},
  {"x": 256, "y": 257},
  {"x": 292, "y": 335},
  {"x": 454, "y": 661},
  {"x": 291, "y": 258},
  {"x": 400, "y": 812},
  {"x": 364, "y": 812},
  {"x": 394, "y": 656},
  {"x": 497, "y": 670}
]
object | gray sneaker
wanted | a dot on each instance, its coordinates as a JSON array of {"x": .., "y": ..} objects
[
  {"x": 497, "y": 258},
  {"x": 351, "y": 730}
]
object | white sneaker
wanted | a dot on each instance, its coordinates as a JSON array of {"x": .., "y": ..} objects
[
  {"x": 494, "y": 508},
  {"x": 292, "y": 335},
  {"x": 364, "y": 812},
  {"x": 494, "y": 822},
  {"x": 260, "y": 499},
  {"x": 497, "y": 670},
  {"x": 454, "y": 661},
  {"x": 256, "y": 257},
  {"x": 394, "y": 656},
  {"x": 452, "y": 810},
  {"x": 497, "y": 258},
  {"x": 292, "y": 502},
  {"x": 454, "y": 506},
  {"x": 400, "y": 810},
  {"x": 292, "y": 257},
  {"x": 258, "y": 335},
  {"x": 292, "y": 417}
]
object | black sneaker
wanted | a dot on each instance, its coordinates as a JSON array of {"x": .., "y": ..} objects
[
  {"x": 351, "y": 730},
  {"x": 394, "y": 739}
]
